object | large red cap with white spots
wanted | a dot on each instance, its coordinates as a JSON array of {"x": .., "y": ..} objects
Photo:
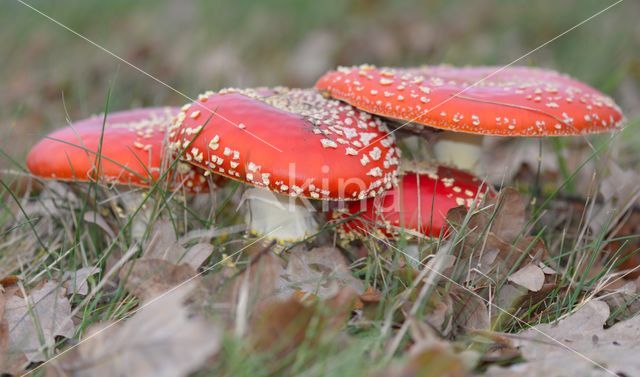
[
  {"x": 132, "y": 151},
  {"x": 511, "y": 101},
  {"x": 292, "y": 141},
  {"x": 418, "y": 205}
]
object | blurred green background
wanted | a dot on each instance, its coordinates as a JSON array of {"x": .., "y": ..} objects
[{"x": 48, "y": 74}]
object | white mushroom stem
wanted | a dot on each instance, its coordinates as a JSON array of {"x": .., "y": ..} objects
[
  {"x": 459, "y": 149},
  {"x": 278, "y": 217}
]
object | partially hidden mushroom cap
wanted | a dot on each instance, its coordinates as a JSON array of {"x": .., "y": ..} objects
[
  {"x": 418, "y": 205},
  {"x": 292, "y": 141},
  {"x": 131, "y": 145},
  {"x": 511, "y": 101}
]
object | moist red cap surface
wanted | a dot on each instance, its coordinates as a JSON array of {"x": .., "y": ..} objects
[
  {"x": 132, "y": 150},
  {"x": 511, "y": 101},
  {"x": 292, "y": 141}
]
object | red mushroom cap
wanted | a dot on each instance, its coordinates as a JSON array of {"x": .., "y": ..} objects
[
  {"x": 512, "y": 101},
  {"x": 291, "y": 141},
  {"x": 132, "y": 151},
  {"x": 419, "y": 204}
]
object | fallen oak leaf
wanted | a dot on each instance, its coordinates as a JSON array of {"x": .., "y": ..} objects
[
  {"x": 321, "y": 271},
  {"x": 98, "y": 220},
  {"x": 149, "y": 278},
  {"x": 580, "y": 346},
  {"x": 283, "y": 325},
  {"x": 470, "y": 312},
  {"x": 35, "y": 320},
  {"x": 433, "y": 357},
  {"x": 7, "y": 363},
  {"x": 529, "y": 276},
  {"x": 164, "y": 244},
  {"x": 162, "y": 339},
  {"x": 509, "y": 220},
  {"x": 77, "y": 282}
]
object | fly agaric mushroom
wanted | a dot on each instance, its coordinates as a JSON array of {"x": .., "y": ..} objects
[
  {"x": 317, "y": 149},
  {"x": 471, "y": 101},
  {"x": 128, "y": 150},
  {"x": 418, "y": 206}
]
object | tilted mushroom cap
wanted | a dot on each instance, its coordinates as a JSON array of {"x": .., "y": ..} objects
[
  {"x": 418, "y": 205},
  {"x": 512, "y": 101},
  {"x": 132, "y": 150},
  {"x": 291, "y": 141}
]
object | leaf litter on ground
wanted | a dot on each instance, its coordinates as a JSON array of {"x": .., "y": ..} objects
[
  {"x": 283, "y": 303},
  {"x": 581, "y": 346},
  {"x": 32, "y": 323},
  {"x": 162, "y": 339}
]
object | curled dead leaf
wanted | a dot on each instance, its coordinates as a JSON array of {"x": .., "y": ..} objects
[
  {"x": 148, "y": 278},
  {"x": 161, "y": 339},
  {"x": 321, "y": 271},
  {"x": 578, "y": 345},
  {"x": 33, "y": 323},
  {"x": 282, "y": 325},
  {"x": 433, "y": 357},
  {"x": 530, "y": 276},
  {"x": 164, "y": 244},
  {"x": 77, "y": 282}
]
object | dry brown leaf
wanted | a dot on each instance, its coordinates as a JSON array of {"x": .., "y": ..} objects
[
  {"x": 77, "y": 281},
  {"x": 439, "y": 313},
  {"x": 34, "y": 321},
  {"x": 433, "y": 357},
  {"x": 509, "y": 221},
  {"x": 580, "y": 343},
  {"x": 163, "y": 244},
  {"x": 97, "y": 219},
  {"x": 503, "y": 158},
  {"x": 8, "y": 280},
  {"x": 321, "y": 271},
  {"x": 495, "y": 240},
  {"x": 197, "y": 254},
  {"x": 624, "y": 300},
  {"x": 369, "y": 301},
  {"x": 470, "y": 312},
  {"x": 4, "y": 332},
  {"x": 263, "y": 279},
  {"x": 502, "y": 215},
  {"x": 282, "y": 325},
  {"x": 620, "y": 190},
  {"x": 161, "y": 340},
  {"x": 530, "y": 276},
  {"x": 148, "y": 278},
  {"x": 509, "y": 297}
]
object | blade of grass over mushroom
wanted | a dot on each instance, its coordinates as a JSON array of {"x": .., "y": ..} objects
[
  {"x": 130, "y": 150},
  {"x": 153, "y": 188},
  {"x": 580, "y": 258},
  {"x": 146, "y": 125}
]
